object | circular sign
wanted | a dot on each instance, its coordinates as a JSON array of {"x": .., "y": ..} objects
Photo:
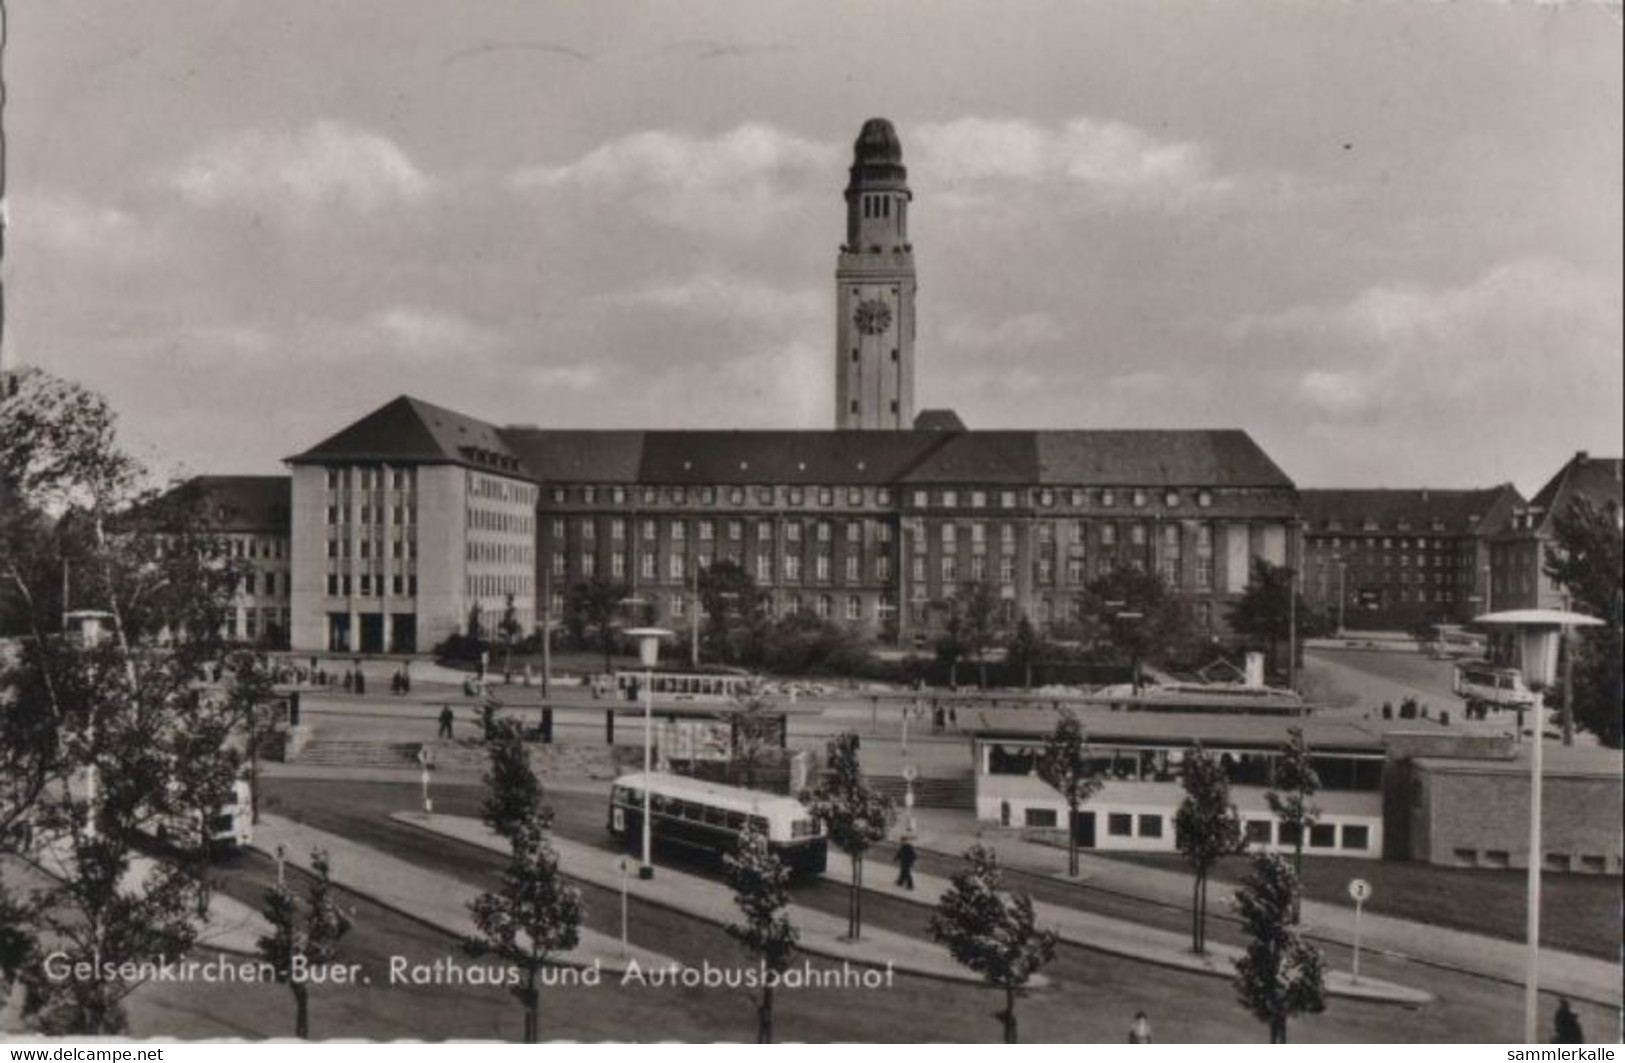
[
  {"x": 909, "y": 773},
  {"x": 1360, "y": 890}
]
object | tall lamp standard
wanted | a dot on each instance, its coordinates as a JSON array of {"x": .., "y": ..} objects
[
  {"x": 1537, "y": 634},
  {"x": 648, "y": 653}
]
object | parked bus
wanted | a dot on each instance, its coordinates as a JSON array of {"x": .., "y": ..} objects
[
  {"x": 709, "y": 817},
  {"x": 697, "y": 687},
  {"x": 1486, "y": 686},
  {"x": 230, "y": 825},
  {"x": 1451, "y": 641}
]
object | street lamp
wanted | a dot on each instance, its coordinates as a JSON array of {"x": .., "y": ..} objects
[
  {"x": 648, "y": 653},
  {"x": 1536, "y": 634}
]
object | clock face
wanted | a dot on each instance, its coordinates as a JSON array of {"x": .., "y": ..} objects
[{"x": 872, "y": 317}]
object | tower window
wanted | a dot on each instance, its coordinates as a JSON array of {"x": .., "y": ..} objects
[
  {"x": 854, "y": 405},
  {"x": 893, "y": 405},
  {"x": 854, "y": 354},
  {"x": 894, "y": 354}
]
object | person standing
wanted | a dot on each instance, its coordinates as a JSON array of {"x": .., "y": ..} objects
[
  {"x": 1566, "y": 1025},
  {"x": 906, "y": 856},
  {"x": 445, "y": 722},
  {"x": 1139, "y": 1031}
]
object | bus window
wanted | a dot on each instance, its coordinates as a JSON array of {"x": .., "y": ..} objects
[{"x": 716, "y": 817}]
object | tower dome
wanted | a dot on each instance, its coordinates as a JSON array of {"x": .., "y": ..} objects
[{"x": 877, "y": 158}]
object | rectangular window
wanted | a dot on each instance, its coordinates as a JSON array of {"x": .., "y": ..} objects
[
  {"x": 1258, "y": 832},
  {"x": 1120, "y": 825},
  {"x": 1150, "y": 826},
  {"x": 1356, "y": 836},
  {"x": 1323, "y": 836},
  {"x": 1041, "y": 818}
]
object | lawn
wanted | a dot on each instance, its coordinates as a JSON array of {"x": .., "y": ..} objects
[{"x": 1579, "y": 913}]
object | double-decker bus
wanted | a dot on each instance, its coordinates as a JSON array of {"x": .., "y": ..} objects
[{"x": 708, "y": 817}]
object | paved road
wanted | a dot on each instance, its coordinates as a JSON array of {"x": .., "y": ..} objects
[{"x": 1091, "y": 998}]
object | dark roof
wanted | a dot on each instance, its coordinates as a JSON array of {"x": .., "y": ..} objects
[
  {"x": 1478, "y": 510},
  {"x": 1583, "y": 476},
  {"x": 236, "y": 503},
  {"x": 409, "y": 430},
  {"x": 1172, "y": 728},
  {"x": 877, "y": 158}
]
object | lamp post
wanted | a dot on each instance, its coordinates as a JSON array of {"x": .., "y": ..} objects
[
  {"x": 648, "y": 653},
  {"x": 1536, "y": 634}
]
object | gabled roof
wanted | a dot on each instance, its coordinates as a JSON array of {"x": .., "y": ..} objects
[
  {"x": 1481, "y": 511},
  {"x": 1583, "y": 476},
  {"x": 1156, "y": 458},
  {"x": 411, "y": 430},
  {"x": 234, "y": 503}
]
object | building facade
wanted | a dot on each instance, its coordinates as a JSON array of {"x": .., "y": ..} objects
[
  {"x": 1518, "y": 550},
  {"x": 1397, "y": 559}
]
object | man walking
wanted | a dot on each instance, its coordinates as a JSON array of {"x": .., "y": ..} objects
[
  {"x": 445, "y": 722},
  {"x": 905, "y": 864}
]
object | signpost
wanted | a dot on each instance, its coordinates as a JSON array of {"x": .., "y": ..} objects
[
  {"x": 909, "y": 775},
  {"x": 426, "y": 763},
  {"x": 1360, "y": 890}
]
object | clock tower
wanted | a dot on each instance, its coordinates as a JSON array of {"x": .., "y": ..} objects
[{"x": 874, "y": 289}]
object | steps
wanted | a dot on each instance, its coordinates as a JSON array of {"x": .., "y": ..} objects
[
  {"x": 958, "y": 792},
  {"x": 595, "y": 762}
]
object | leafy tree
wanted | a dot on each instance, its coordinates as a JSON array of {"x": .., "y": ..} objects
[
  {"x": 251, "y": 697},
  {"x": 735, "y": 611},
  {"x": 535, "y": 914},
  {"x": 992, "y": 932},
  {"x": 1064, "y": 765},
  {"x": 1279, "y": 975},
  {"x": 1291, "y": 798},
  {"x": 1026, "y": 649},
  {"x": 303, "y": 936},
  {"x": 1206, "y": 828},
  {"x": 761, "y": 891},
  {"x": 978, "y": 610},
  {"x": 1138, "y": 615},
  {"x": 204, "y": 780},
  {"x": 93, "y": 731},
  {"x": 1265, "y": 609},
  {"x": 853, "y": 815},
  {"x": 595, "y": 605},
  {"x": 1584, "y": 558},
  {"x": 754, "y": 730}
]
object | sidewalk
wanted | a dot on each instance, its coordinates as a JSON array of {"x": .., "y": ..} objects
[
  {"x": 1120, "y": 937},
  {"x": 822, "y": 934},
  {"x": 439, "y": 900},
  {"x": 1581, "y": 977}
]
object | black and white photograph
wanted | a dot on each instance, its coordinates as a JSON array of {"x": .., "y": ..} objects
[{"x": 781, "y": 521}]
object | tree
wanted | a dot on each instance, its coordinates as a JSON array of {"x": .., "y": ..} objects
[
  {"x": 1584, "y": 558},
  {"x": 1279, "y": 975},
  {"x": 594, "y": 605},
  {"x": 1206, "y": 828},
  {"x": 992, "y": 932},
  {"x": 754, "y": 730},
  {"x": 852, "y": 814},
  {"x": 1137, "y": 614},
  {"x": 304, "y": 936},
  {"x": 978, "y": 610},
  {"x": 93, "y": 732},
  {"x": 251, "y": 696},
  {"x": 761, "y": 891},
  {"x": 1290, "y": 799},
  {"x": 735, "y": 612},
  {"x": 204, "y": 781},
  {"x": 476, "y": 623},
  {"x": 535, "y": 914},
  {"x": 1026, "y": 649},
  {"x": 1265, "y": 610},
  {"x": 1064, "y": 765},
  {"x": 509, "y": 628}
]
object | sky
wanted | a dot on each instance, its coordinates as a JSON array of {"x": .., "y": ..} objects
[{"x": 1383, "y": 237}]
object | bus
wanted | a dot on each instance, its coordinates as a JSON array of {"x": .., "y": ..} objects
[
  {"x": 708, "y": 817},
  {"x": 230, "y": 825},
  {"x": 1486, "y": 686},
  {"x": 1451, "y": 641},
  {"x": 694, "y": 687}
]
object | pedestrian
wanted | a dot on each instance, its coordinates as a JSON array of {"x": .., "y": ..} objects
[
  {"x": 1139, "y": 1031},
  {"x": 1566, "y": 1025},
  {"x": 905, "y": 864},
  {"x": 360, "y": 682},
  {"x": 445, "y": 722},
  {"x": 349, "y": 681},
  {"x": 953, "y": 718}
]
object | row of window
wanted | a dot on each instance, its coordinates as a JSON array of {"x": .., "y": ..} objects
[
  {"x": 496, "y": 520},
  {"x": 370, "y": 477},
  {"x": 498, "y": 585},
  {"x": 706, "y": 495},
  {"x": 1372, "y": 543},
  {"x": 734, "y": 531},
  {"x": 501, "y": 490},
  {"x": 400, "y": 515},
  {"x": 500, "y": 553},
  {"x": 1046, "y": 570},
  {"x": 370, "y": 585},
  {"x": 1077, "y": 534},
  {"x": 1078, "y": 497},
  {"x": 254, "y": 547},
  {"x": 266, "y": 583},
  {"x": 399, "y": 549},
  {"x": 677, "y": 568}
]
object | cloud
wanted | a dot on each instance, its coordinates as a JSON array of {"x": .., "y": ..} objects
[
  {"x": 73, "y": 227},
  {"x": 1110, "y": 159},
  {"x": 737, "y": 182},
  {"x": 1011, "y": 335},
  {"x": 737, "y": 298},
  {"x": 427, "y": 332},
  {"x": 325, "y": 163}
]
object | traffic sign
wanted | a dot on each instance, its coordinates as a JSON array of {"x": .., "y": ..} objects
[
  {"x": 1360, "y": 890},
  {"x": 910, "y": 773}
]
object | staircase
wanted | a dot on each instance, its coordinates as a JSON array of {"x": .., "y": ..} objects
[
  {"x": 595, "y": 762},
  {"x": 958, "y": 791}
]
